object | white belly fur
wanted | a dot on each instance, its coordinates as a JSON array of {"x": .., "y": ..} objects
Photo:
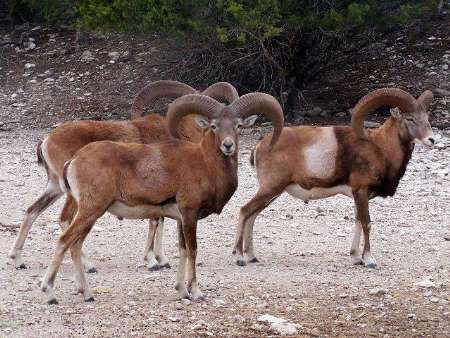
[
  {"x": 122, "y": 210},
  {"x": 317, "y": 193}
]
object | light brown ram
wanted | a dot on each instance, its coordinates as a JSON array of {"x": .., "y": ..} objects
[
  {"x": 178, "y": 179},
  {"x": 317, "y": 162},
  {"x": 64, "y": 141}
]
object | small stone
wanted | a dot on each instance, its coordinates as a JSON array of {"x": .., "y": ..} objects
[
  {"x": 29, "y": 65},
  {"x": 49, "y": 80},
  {"x": 343, "y": 295},
  {"x": 173, "y": 319},
  {"x": 114, "y": 55},
  {"x": 219, "y": 302},
  {"x": 199, "y": 325},
  {"x": 426, "y": 283},
  {"x": 411, "y": 316},
  {"x": 440, "y": 92},
  {"x": 444, "y": 66},
  {"x": 377, "y": 291},
  {"x": 434, "y": 299},
  {"x": 87, "y": 56}
]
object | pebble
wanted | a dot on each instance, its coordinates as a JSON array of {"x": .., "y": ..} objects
[
  {"x": 426, "y": 283},
  {"x": 87, "y": 56},
  {"x": 199, "y": 325},
  {"x": 377, "y": 291},
  {"x": 280, "y": 325},
  {"x": 29, "y": 65}
]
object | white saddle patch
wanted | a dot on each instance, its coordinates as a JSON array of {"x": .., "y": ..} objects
[
  {"x": 297, "y": 191},
  {"x": 320, "y": 157}
]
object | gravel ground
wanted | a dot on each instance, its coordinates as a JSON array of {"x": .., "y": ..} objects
[{"x": 304, "y": 276}]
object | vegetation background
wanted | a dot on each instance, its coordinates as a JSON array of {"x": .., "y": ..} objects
[{"x": 276, "y": 46}]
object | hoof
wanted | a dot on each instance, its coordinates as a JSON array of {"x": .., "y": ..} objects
[
  {"x": 240, "y": 262},
  {"x": 357, "y": 261},
  {"x": 90, "y": 299},
  {"x": 254, "y": 260},
  {"x": 198, "y": 297},
  {"x": 371, "y": 265},
  {"x": 165, "y": 266},
  {"x": 92, "y": 270},
  {"x": 52, "y": 302},
  {"x": 155, "y": 268},
  {"x": 21, "y": 266}
]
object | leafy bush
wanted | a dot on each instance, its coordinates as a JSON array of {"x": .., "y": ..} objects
[{"x": 273, "y": 45}]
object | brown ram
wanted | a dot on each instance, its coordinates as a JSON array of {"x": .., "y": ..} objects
[{"x": 317, "y": 162}]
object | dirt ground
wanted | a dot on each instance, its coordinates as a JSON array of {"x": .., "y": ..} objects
[{"x": 304, "y": 276}]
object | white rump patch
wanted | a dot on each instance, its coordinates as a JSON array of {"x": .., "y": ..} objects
[
  {"x": 297, "y": 191},
  {"x": 320, "y": 157}
]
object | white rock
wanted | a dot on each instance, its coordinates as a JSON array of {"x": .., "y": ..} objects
[
  {"x": 87, "y": 56},
  {"x": 426, "y": 283},
  {"x": 377, "y": 291},
  {"x": 174, "y": 319},
  {"x": 114, "y": 55},
  {"x": 280, "y": 325},
  {"x": 219, "y": 302},
  {"x": 199, "y": 325},
  {"x": 29, "y": 65}
]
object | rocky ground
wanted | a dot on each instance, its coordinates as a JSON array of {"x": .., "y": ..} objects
[{"x": 305, "y": 276}]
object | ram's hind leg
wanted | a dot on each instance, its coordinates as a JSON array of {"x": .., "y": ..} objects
[
  {"x": 149, "y": 254},
  {"x": 65, "y": 219},
  {"x": 51, "y": 194},
  {"x": 249, "y": 212},
  {"x": 72, "y": 238}
]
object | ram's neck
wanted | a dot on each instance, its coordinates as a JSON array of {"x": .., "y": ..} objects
[
  {"x": 397, "y": 148},
  {"x": 223, "y": 170}
]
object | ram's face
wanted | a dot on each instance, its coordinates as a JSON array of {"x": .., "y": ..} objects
[{"x": 226, "y": 129}]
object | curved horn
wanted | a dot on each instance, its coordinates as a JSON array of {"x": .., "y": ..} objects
[
  {"x": 253, "y": 103},
  {"x": 155, "y": 90},
  {"x": 425, "y": 99},
  {"x": 191, "y": 104},
  {"x": 384, "y": 97},
  {"x": 223, "y": 91}
]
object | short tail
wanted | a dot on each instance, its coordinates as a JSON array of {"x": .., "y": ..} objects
[
  {"x": 252, "y": 157},
  {"x": 66, "y": 182},
  {"x": 40, "y": 157}
]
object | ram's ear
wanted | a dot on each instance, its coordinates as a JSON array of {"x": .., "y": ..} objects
[
  {"x": 202, "y": 121},
  {"x": 396, "y": 114},
  {"x": 249, "y": 121}
]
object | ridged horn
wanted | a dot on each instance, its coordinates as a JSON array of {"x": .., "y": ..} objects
[
  {"x": 191, "y": 104},
  {"x": 266, "y": 104},
  {"x": 222, "y": 91},
  {"x": 384, "y": 97},
  {"x": 425, "y": 99},
  {"x": 155, "y": 90}
]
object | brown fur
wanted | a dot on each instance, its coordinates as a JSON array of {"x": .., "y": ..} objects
[
  {"x": 371, "y": 163},
  {"x": 182, "y": 180}
]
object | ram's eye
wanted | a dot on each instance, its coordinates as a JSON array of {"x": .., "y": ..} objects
[
  {"x": 213, "y": 127},
  {"x": 411, "y": 120},
  {"x": 239, "y": 125}
]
